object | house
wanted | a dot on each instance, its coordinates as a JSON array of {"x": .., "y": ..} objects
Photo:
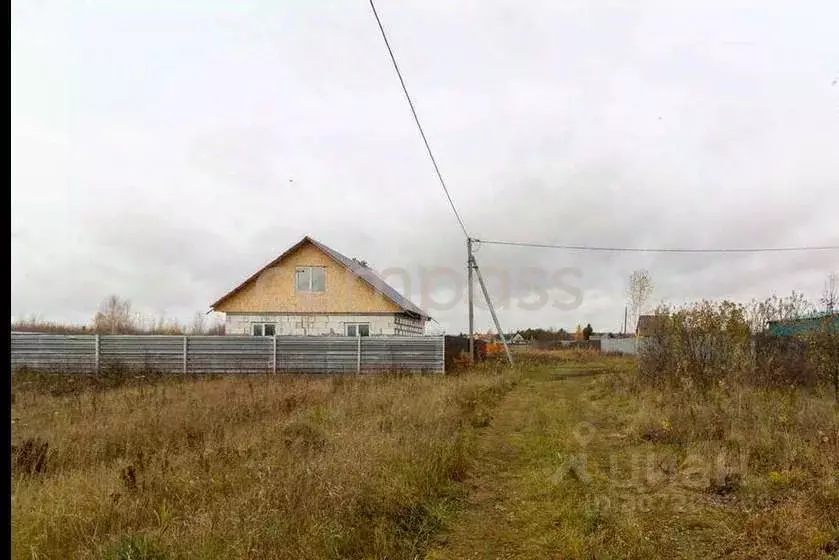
[
  {"x": 312, "y": 289},
  {"x": 804, "y": 325},
  {"x": 518, "y": 339}
]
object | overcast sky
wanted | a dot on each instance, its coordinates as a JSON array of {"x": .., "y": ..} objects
[{"x": 164, "y": 151}]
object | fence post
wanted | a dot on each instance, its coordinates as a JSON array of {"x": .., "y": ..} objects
[
  {"x": 274, "y": 359},
  {"x": 96, "y": 352},
  {"x": 442, "y": 354},
  {"x": 358, "y": 356},
  {"x": 186, "y": 347}
]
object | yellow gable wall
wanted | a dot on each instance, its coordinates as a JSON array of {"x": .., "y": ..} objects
[{"x": 274, "y": 290}]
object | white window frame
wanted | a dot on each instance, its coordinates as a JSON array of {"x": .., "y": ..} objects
[
  {"x": 310, "y": 270},
  {"x": 355, "y": 327},
  {"x": 262, "y": 329}
]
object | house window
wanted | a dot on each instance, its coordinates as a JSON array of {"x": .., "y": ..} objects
[
  {"x": 358, "y": 329},
  {"x": 263, "y": 329},
  {"x": 311, "y": 279}
]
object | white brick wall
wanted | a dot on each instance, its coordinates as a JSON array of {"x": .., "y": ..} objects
[
  {"x": 407, "y": 326},
  {"x": 240, "y": 323}
]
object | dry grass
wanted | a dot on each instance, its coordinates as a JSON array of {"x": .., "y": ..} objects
[
  {"x": 243, "y": 467},
  {"x": 608, "y": 467},
  {"x": 573, "y": 356},
  {"x": 372, "y": 467},
  {"x": 735, "y": 471}
]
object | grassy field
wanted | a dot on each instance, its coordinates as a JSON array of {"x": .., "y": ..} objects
[
  {"x": 242, "y": 467},
  {"x": 534, "y": 463},
  {"x": 604, "y": 467}
]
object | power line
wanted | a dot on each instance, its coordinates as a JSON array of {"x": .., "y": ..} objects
[
  {"x": 416, "y": 120},
  {"x": 655, "y": 250}
]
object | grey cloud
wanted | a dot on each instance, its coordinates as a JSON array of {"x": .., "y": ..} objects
[{"x": 205, "y": 139}]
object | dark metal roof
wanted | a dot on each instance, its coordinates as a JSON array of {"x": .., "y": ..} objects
[
  {"x": 371, "y": 277},
  {"x": 364, "y": 272}
]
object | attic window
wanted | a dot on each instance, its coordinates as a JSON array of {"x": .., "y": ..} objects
[{"x": 311, "y": 279}]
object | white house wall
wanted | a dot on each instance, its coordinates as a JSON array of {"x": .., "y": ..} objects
[{"x": 317, "y": 325}]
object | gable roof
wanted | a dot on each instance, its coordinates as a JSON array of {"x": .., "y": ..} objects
[{"x": 362, "y": 271}]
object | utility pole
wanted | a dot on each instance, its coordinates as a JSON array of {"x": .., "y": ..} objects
[
  {"x": 492, "y": 311},
  {"x": 469, "y": 266}
]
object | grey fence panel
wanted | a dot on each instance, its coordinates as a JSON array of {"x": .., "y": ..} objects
[
  {"x": 220, "y": 354},
  {"x": 317, "y": 354},
  {"x": 404, "y": 353},
  {"x": 619, "y": 345},
  {"x": 71, "y": 353},
  {"x": 151, "y": 352},
  {"x": 229, "y": 354}
]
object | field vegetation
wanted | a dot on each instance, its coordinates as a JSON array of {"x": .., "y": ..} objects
[
  {"x": 708, "y": 446},
  {"x": 611, "y": 466},
  {"x": 241, "y": 466}
]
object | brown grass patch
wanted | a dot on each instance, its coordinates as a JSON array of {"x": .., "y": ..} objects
[{"x": 244, "y": 466}]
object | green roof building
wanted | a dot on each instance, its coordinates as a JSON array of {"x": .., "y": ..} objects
[{"x": 805, "y": 325}]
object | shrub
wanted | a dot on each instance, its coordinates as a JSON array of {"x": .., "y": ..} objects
[
  {"x": 706, "y": 344},
  {"x": 823, "y": 354},
  {"x": 698, "y": 345},
  {"x": 782, "y": 361}
]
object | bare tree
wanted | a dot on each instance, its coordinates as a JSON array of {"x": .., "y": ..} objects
[
  {"x": 776, "y": 308},
  {"x": 216, "y": 328},
  {"x": 638, "y": 293},
  {"x": 198, "y": 323},
  {"x": 166, "y": 325},
  {"x": 830, "y": 295},
  {"x": 114, "y": 316}
]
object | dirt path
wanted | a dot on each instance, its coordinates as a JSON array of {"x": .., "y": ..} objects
[
  {"x": 502, "y": 517},
  {"x": 574, "y": 468}
]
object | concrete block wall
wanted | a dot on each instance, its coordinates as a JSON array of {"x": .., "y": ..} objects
[
  {"x": 316, "y": 325},
  {"x": 407, "y": 326}
]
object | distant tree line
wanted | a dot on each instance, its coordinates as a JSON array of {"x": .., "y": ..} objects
[
  {"x": 546, "y": 335},
  {"x": 115, "y": 316}
]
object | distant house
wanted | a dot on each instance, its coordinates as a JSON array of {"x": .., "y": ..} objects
[
  {"x": 518, "y": 339},
  {"x": 312, "y": 289},
  {"x": 804, "y": 325},
  {"x": 648, "y": 325}
]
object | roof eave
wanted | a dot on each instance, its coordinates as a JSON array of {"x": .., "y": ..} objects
[{"x": 416, "y": 315}]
